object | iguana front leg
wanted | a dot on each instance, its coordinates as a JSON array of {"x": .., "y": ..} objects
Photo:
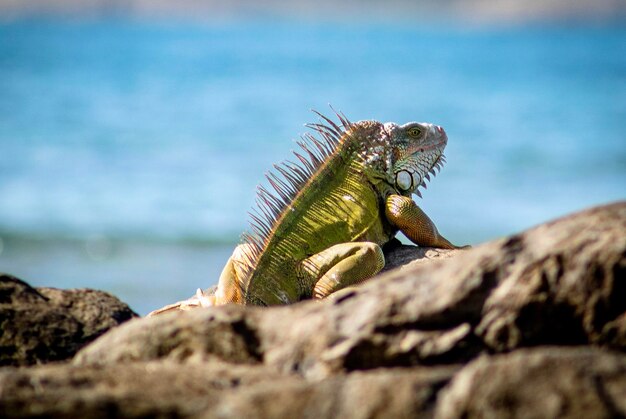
[
  {"x": 340, "y": 266},
  {"x": 404, "y": 213}
]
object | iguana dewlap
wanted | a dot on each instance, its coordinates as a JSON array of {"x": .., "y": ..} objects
[{"x": 323, "y": 226}]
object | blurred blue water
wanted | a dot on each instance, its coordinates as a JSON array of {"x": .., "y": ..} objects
[{"x": 157, "y": 133}]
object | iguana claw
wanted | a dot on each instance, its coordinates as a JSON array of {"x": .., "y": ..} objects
[{"x": 205, "y": 300}]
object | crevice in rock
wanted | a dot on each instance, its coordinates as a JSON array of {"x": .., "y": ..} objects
[
  {"x": 513, "y": 245},
  {"x": 617, "y": 298},
  {"x": 250, "y": 338},
  {"x": 548, "y": 322},
  {"x": 387, "y": 351},
  {"x": 606, "y": 398},
  {"x": 469, "y": 309},
  {"x": 344, "y": 297}
]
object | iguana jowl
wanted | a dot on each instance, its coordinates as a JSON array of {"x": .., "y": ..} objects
[{"x": 323, "y": 226}]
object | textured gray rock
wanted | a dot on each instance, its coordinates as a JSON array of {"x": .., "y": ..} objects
[
  {"x": 214, "y": 390},
  {"x": 533, "y": 325},
  {"x": 227, "y": 333},
  {"x": 539, "y": 383},
  {"x": 46, "y": 324},
  {"x": 559, "y": 283},
  {"x": 373, "y": 394},
  {"x": 151, "y": 389}
]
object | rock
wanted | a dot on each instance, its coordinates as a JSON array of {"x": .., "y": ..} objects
[
  {"x": 46, "y": 324},
  {"x": 213, "y": 390},
  {"x": 227, "y": 333},
  {"x": 372, "y": 394},
  {"x": 614, "y": 333},
  {"x": 566, "y": 286},
  {"x": 538, "y": 383},
  {"x": 559, "y": 283},
  {"x": 532, "y": 325},
  {"x": 401, "y": 256},
  {"x": 151, "y": 389}
]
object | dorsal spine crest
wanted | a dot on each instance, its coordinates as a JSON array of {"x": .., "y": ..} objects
[{"x": 290, "y": 180}]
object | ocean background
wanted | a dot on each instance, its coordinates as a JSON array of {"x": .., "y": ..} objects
[{"x": 130, "y": 149}]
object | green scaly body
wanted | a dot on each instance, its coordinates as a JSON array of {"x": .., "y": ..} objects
[{"x": 338, "y": 205}]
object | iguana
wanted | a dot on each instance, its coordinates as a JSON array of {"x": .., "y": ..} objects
[{"x": 322, "y": 227}]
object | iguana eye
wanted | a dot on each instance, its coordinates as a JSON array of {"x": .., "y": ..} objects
[
  {"x": 404, "y": 180},
  {"x": 414, "y": 132}
]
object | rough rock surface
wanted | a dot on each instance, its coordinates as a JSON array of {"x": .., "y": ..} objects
[
  {"x": 562, "y": 283},
  {"x": 214, "y": 390},
  {"x": 40, "y": 325},
  {"x": 533, "y": 325},
  {"x": 551, "y": 382},
  {"x": 152, "y": 389}
]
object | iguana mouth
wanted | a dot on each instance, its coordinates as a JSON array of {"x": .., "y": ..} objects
[{"x": 438, "y": 145}]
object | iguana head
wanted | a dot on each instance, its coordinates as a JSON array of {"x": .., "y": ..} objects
[
  {"x": 416, "y": 149},
  {"x": 401, "y": 156}
]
